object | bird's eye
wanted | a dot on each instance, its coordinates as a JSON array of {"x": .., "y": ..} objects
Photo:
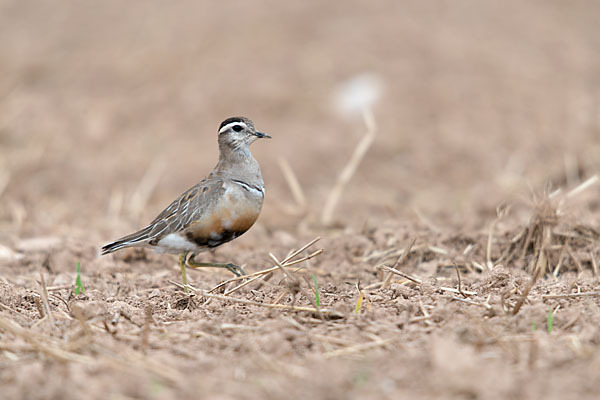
[{"x": 237, "y": 128}]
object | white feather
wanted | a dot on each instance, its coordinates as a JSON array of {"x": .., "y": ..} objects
[{"x": 173, "y": 243}]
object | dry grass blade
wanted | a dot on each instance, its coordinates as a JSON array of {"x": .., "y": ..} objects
[
  {"x": 137, "y": 363},
  {"x": 286, "y": 262},
  {"x": 485, "y": 305},
  {"x": 301, "y": 249},
  {"x": 147, "y": 184},
  {"x": 146, "y": 329},
  {"x": 453, "y": 290},
  {"x": 349, "y": 170},
  {"x": 281, "y": 267},
  {"x": 79, "y": 316},
  {"x": 324, "y": 311},
  {"x": 47, "y": 347},
  {"x": 594, "y": 265},
  {"x": 523, "y": 297},
  {"x": 570, "y": 295},
  {"x": 45, "y": 299},
  {"x": 39, "y": 307},
  {"x": 583, "y": 186},
  {"x": 399, "y": 261},
  {"x": 426, "y": 315},
  {"x": 357, "y": 348},
  {"x": 269, "y": 270},
  {"x": 4, "y": 179},
  {"x": 425, "y": 220},
  {"x": 559, "y": 263},
  {"x": 459, "y": 281},
  {"x": 7, "y": 308},
  {"x": 294, "y": 185},
  {"x": 280, "y": 297},
  {"x": 574, "y": 258},
  {"x": 404, "y": 275},
  {"x": 59, "y": 287},
  {"x": 501, "y": 211}
]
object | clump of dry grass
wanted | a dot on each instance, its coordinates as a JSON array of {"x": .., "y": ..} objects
[{"x": 553, "y": 240}]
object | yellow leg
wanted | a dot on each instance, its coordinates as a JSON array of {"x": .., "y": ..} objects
[{"x": 182, "y": 258}]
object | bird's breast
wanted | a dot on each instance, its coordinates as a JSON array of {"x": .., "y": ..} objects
[{"x": 231, "y": 216}]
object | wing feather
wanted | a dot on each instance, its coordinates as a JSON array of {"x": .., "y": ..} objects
[{"x": 191, "y": 206}]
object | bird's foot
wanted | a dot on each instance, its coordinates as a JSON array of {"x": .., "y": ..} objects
[{"x": 235, "y": 269}]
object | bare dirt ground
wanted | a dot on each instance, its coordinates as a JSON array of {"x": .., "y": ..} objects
[{"x": 479, "y": 190}]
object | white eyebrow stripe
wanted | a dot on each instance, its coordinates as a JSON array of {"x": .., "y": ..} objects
[{"x": 223, "y": 129}]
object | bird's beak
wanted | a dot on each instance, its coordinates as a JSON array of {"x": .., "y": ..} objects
[{"x": 262, "y": 135}]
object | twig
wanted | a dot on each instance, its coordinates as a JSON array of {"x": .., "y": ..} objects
[
  {"x": 350, "y": 168},
  {"x": 45, "y": 300}
]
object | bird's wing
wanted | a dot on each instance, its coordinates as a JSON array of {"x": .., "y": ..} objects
[{"x": 191, "y": 206}]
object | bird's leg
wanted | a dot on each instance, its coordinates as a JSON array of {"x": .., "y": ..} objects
[
  {"x": 182, "y": 258},
  {"x": 235, "y": 269}
]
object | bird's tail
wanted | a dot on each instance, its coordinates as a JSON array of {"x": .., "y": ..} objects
[{"x": 134, "y": 239}]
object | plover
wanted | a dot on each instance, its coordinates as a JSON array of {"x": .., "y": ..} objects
[{"x": 217, "y": 210}]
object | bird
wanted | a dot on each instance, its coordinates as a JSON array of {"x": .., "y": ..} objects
[{"x": 220, "y": 208}]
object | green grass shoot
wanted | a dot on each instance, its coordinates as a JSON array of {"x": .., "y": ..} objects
[
  {"x": 550, "y": 321},
  {"x": 78, "y": 285},
  {"x": 317, "y": 297},
  {"x": 533, "y": 326},
  {"x": 358, "y": 303}
]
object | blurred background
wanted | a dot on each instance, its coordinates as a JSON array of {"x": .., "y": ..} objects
[{"x": 109, "y": 110}]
